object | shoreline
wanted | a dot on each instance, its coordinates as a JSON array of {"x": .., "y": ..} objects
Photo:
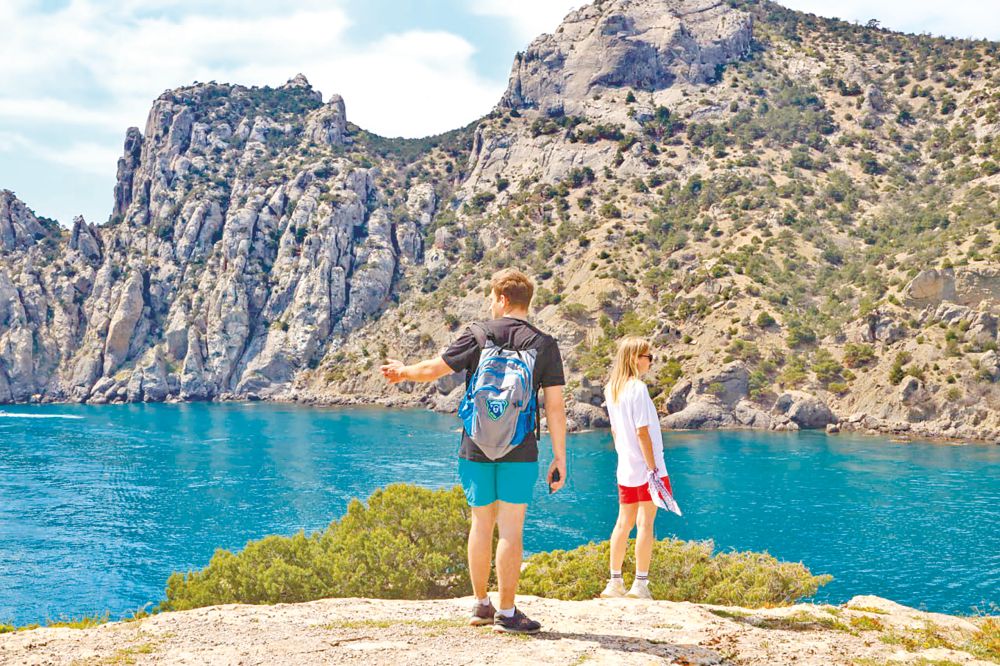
[{"x": 893, "y": 434}]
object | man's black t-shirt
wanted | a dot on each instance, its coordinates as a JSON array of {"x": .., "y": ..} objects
[{"x": 516, "y": 334}]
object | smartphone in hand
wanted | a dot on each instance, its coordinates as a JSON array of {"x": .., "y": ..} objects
[{"x": 555, "y": 477}]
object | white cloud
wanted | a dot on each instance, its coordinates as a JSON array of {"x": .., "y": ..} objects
[
  {"x": 529, "y": 18},
  {"x": 84, "y": 156},
  {"x": 50, "y": 110},
  {"x": 956, "y": 18}
]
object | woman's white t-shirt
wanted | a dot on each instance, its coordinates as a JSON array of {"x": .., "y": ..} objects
[{"x": 634, "y": 410}]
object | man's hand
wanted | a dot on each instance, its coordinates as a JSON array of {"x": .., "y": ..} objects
[
  {"x": 426, "y": 371},
  {"x": 393, "y": 371},
  {"x": 556, "y": 465}
]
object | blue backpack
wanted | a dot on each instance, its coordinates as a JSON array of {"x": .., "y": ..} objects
[{"x": 500, "y": 406}]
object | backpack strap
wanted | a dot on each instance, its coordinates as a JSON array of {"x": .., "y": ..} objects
[
  {"x": 480, "y": 333},
  {"x": 538, "y": 421}
]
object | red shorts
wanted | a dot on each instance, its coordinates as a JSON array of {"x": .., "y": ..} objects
[{"x": 634, "y": 494}]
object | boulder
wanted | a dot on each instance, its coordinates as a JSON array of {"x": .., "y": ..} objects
[
  {"x": 931, "y": 285},
  {"x": 951, "y": 313},
  {"x": 989, "y": 365},
  {"x": 804, "y": 409},
  {"x": 447, "y": 404},
  {"x": 983, "y": 330},
  {"x": 705, "y": 412},
  {"x": 730, "y": 383},
  {"x": 449, "y": 383},
  {"x": 751, "y": 416},
  {"x": 586, "y": 417},
  {"x": 908, "y": 388}
]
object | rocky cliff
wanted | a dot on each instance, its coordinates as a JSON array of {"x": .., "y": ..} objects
[
  {"x": 800, "y": 211},
  {"x": 249, "y": 236}
]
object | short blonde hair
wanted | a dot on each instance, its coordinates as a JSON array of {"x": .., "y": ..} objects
[
  {"x": 626, "y": 365},
  {"x": 515, "y": 285}
]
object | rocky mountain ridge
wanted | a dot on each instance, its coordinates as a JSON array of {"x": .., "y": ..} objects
[{"x": 807, "y": 232}]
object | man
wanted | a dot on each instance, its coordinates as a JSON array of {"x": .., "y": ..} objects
[{"x": 499, "y": 490}]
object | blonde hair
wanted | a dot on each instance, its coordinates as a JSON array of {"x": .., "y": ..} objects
[
  {"x": 626, "y": 364},
  {"x": 515, "y": 285}
]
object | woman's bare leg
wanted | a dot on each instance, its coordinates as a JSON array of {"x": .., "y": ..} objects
[{"x": 619, "y": 536}]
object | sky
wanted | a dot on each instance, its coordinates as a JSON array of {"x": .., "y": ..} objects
[{"x": 74, "y": 74}]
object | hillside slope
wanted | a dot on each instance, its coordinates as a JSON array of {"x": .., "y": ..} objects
[{"x": 800, "y": 211}]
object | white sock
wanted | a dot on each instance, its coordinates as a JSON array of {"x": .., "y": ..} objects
[
  {"x": 507, "y": 613},
  {"x": 642, "y": 578},
  {"x": 485, "y": 601},
  {"x": 616, "y": 575}
]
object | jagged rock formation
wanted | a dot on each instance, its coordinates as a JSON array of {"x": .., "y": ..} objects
[
  {"x": 243, "y": 244},
  {"x": 626, "y": 43}
]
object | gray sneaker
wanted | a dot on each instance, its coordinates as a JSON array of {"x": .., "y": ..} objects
[
  {"x": 482, "y": 615},
  {"x": 518, "y": 624}
]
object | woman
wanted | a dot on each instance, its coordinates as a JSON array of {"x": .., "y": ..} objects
[{"x": 635, "y": 427}]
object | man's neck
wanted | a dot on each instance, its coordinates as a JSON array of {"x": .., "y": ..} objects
[{"x": 522, "y": 315}]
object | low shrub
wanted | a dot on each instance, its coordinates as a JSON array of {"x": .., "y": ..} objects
[
  {"x": 683, "y": 571},
  {"x": 409, "y": 542},
  {"x": 406, "y": 543}
]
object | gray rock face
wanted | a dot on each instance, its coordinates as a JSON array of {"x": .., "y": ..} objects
[
  {"x": 127, "y": 164},
  {"x": 643, "y": 44},
  {"x": 729, "y": 384},
  {"x": 706, "y": 412},
  {"x": 327, "y": 126},
  {"x": 421, "y": 203},
  {"x": 209, "y": 280},
  {"x": 19, "y": 228},
  {"x": 86, "y": 239},
  {"x": 989, "y": 365},
  {"x": 581, "y": 416},
  {"x": 876, "y": 327},
  {"x": 805, "y": 410},
  {"x": 909, "y": 387},
  {"x": 677, "y": 400},
  {"x": 963, "y": 286},
  {"x": 749, "y": 415}
]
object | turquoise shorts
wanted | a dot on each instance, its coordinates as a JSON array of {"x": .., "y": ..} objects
[{"x": 485, "y": 483}]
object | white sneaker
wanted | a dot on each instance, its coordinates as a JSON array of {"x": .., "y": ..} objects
[
  {"x": 639, "y": 591},
  {"x": 615, "y": 589}
]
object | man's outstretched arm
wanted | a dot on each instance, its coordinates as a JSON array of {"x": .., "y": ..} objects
[{"x": 426, "y": 371}]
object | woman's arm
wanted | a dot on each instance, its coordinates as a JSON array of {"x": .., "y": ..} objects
[{"x": 646, "y": 446}]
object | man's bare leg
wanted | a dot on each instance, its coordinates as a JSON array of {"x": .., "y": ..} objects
[
  {"x": 484, "y": 519},
  {"x": 510, "y": 518}
]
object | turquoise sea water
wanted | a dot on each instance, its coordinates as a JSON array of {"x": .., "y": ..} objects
[{"x": 98, "y": 505}]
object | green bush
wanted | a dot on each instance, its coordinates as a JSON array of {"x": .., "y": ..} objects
[
  {"x": 857, "y": 355},
  {"x": 681, "y": 571},
  {"x": 407, "y": 543}
]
